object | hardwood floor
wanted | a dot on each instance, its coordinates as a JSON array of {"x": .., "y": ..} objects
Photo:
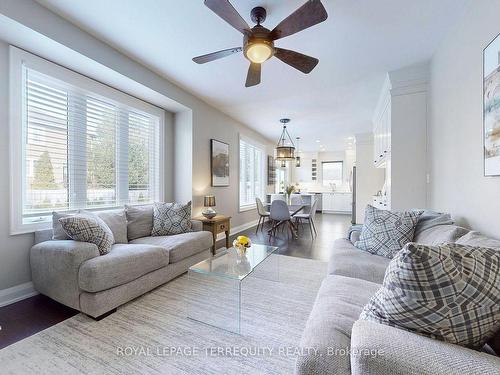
[
  {"x": 32, "y": 315},
  {"x": 29, "y": 316},
  {"x": 329, "y": 228}
]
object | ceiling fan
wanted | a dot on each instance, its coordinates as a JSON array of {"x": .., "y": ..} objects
[{"x": 258, "y": 42}]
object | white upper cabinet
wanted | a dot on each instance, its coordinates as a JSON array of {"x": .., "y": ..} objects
[
  {"x": 382, "y": 130},
  {"x": 400, "y": 136}
]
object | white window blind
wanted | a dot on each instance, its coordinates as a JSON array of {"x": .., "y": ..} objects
[
  {"x": 82, "y": 150},
  {"x": 252, "y": 177}
]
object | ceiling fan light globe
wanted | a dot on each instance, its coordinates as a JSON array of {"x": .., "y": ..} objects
[{"x": 259, "y": 52}]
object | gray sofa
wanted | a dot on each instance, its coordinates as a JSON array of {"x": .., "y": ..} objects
[
  {"x": 336, "y": 342},
  {"x": 74, "y": 274}
]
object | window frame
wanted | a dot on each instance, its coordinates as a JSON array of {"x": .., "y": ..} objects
[
  {"x": 341, "y": 162},
  {"x": 262, "y": 148},
  {"x": 18, "y": 59}
]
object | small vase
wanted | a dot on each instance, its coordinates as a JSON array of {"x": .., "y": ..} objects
[{"x": 242, "y": 250}]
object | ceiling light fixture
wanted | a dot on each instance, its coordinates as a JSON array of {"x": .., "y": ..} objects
[
  {"x": 258, "y": 52},
  {"x": 285, "y": 149},
  {"x": 297, "y": 159}
]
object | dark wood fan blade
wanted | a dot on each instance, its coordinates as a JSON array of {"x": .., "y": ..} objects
[
  {"x": 253, "y": 76},
  {"x": 309, "y": 14},
  {"x": 226, "y": 11},
  {"x": 216, "y": 55},
  {"x": 297, "y": 60}
]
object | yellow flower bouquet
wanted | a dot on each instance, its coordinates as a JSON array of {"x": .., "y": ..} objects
[{"x": 242, "y": 243}]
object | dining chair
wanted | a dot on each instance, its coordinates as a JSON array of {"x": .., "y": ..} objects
[
  {"x": 295, "y": 199},
  {"x": 275, "y": 197},
  {"x": 280, "y": 215},
  {"x": 263, "y": 214},
  {"x": 309, "y": 217}
]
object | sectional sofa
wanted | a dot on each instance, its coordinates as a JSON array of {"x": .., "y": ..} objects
[
  {"x": 74, "y": 274},
  {"x": 336, "y": 342}
]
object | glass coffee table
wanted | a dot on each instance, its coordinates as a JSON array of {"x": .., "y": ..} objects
[{"x": 216, "y": 284}]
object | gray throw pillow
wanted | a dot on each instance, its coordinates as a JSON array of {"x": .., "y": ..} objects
[
  {"x": 171, "y": 218},
  {"x": 448, "y": 292},
  {"x": 139, "y": 221},
  {"x": 116, "y": 221},
  {"x": 87, "y": 227},
  {"x": 479, "y": 240},
  {"x": 58, "y": 232},
  {"x": 385, "y": 232}
]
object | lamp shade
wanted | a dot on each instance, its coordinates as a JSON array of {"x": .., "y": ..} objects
[
  {"x": 209, "y": 201},
  {"x": 285, "y": 153}
]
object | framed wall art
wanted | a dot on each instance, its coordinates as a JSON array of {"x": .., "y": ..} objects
[
  {"x": 491, "y": 108},
  {"x": 219, "y": 165}
]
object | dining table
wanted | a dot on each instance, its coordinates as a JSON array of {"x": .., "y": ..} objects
[{"x": 294, "y": 209}]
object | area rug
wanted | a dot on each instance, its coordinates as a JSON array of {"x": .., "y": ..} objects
[{"x": 152, "y": 335}]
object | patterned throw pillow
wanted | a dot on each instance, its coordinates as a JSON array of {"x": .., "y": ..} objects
[
  {"x": 448, "y": 292},
  {"x": 386, "y": 232},
  {"x": 87, "y": 227},
  {"x": 171, "y": 218}
]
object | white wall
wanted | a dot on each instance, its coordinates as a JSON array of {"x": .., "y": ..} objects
[
  {"x": 38, "y": 25},
  {"x": 457, "y": 183},
  {"x": 14, "y": 266}
]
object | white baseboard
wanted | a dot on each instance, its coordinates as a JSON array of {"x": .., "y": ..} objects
[
  {"x": 238, "y": 229},
  {"x": 17, "y": 293}
]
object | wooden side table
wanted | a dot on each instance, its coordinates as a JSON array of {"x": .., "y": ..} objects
[{"x": 218, "y": 224}]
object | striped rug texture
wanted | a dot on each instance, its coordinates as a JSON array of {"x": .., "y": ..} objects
[{"x": 152, "y": 335}]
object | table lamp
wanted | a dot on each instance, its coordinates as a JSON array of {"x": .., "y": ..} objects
[{"x": 209, "y": 202}]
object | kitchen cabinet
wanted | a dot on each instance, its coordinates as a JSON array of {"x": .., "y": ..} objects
[
  {"x": 382, "y": 133},
  {"x": 400, "y": 137},
  {"x": 337, "y": 202}
]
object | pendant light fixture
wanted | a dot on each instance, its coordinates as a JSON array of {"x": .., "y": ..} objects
[
  {"x": 297, "y": 158},
  {"x": 285, "y": 149}
]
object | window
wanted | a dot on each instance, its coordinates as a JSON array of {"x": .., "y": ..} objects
[
  {"x": 252, "y": 177},
  {"x": 332, "y": 173},
  {"x": 81, "y": 144}
]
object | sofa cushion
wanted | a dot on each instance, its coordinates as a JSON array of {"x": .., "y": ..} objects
[
  {"x": 58, "y": 233},
  {"x": 386, "y": 232},
  {"x": 449, "y": 292},
  {"x": 479, "y": 240},
  {"x": 124, "y": 263},
  {"x": 439, "y": 234},
  {"x": 429, "y": 219},
  {"x": 87, "y": 227},
  {"x": 139, "y": 221},
  {"x": 326, "y": 339},
  {"x": 116, "y": 220},
  {"x": 171, "y": 218},
  {"x": 347, "y": 260},
  {"x": 179, "y": 246}
]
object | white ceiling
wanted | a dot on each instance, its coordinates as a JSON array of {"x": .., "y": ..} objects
[{"x": 356, "y": 45}]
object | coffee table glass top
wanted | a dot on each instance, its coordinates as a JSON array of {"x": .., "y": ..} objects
[{"x": 229, "y": 264}]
